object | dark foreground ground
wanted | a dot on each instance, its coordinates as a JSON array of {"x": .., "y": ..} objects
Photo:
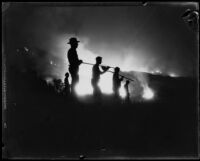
[{"x": 43, "y": 124}]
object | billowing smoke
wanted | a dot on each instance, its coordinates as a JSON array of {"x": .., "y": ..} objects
[{"x": 133, "y": 38}]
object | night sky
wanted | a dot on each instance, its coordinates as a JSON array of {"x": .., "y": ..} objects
[{"x": 141, "y": 38}]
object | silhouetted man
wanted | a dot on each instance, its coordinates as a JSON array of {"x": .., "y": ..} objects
[
  {"x": 116, "y": 81},
  {"x": 96, "y": 72},
  {"x": 127, "y": 90},
  {"x": 67, "y": 85},
  {"x": 74, "y": 63}
]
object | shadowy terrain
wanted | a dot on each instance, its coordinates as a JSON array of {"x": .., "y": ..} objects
[{"x": 43, "y": 123}]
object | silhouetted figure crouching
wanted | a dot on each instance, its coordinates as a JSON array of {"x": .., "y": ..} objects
[
  {"x": 116, "y": 82},
  {"x": 74, "y": 63},
  {"x": 96, "y": 72}
]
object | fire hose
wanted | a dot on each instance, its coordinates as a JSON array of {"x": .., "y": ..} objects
[{"x": 109, "y": 70}]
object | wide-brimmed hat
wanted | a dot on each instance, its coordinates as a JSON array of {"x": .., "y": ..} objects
[{"x": 73, "y": 40}]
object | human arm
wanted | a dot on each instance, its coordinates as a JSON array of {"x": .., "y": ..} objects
[
  {"x": 121, "y": 79},
  {"x": 80, "y": 61},
  {"x": 104, "y": 68}
]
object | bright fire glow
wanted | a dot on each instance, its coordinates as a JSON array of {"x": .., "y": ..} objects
[
  {"x": 147, "y": 93},
  {"x": 122, "y": 91},
  {"x": 49, "y": 80},
  {"x": 157, "y": 71},
  {"x": 84, "y": 86},
  {"x": 172, "y": 75}
]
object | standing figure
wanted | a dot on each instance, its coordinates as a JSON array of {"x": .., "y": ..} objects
[
  {"x": 116, "y": 81},
  {"x": 67, "y": 85},
  {"x": 74, "y": 63},
  {"x": 96, "y": 72},
  {"x": 127, "y": 90}
]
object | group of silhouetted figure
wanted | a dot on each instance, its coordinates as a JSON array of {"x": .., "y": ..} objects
[{"x": 74, "y": 63}]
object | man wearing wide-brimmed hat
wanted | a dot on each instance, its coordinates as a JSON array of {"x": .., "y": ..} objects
[{"x": 74, "y": 62}]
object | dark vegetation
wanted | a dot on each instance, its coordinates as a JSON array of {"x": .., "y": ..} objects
[{"x": 43, "y": 123}]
